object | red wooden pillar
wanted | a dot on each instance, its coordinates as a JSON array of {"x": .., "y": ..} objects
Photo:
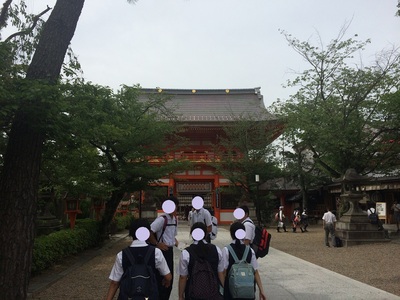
[
  {"x": 217, "y": 198},
  {"x": 72, "y": 209}
]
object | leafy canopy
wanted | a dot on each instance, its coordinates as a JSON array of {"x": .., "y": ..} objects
[{"x": 345, "y": 113}]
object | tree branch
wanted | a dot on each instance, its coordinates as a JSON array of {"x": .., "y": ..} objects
[{"x": 30, "y": 29}]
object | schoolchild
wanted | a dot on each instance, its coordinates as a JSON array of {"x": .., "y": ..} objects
[
  {"x": 280, "y": 219},
  {"x": 163, "y": 236},
  {"x": 304, "y": 219},
  {"x": 200, "y": 249},
  {"x": 249, "y": 226},
  {"x": 138, "y": 247},
  {"x": 296, "y": 221},
  {"x": 239, "y": 248},
  {"x": 202, "y": 215}
]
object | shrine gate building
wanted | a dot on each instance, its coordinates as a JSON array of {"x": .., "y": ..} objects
[{"x": 203, "y": 113}]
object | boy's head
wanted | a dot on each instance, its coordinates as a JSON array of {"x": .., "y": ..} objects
[
  {"x": 200, "y": 225},
  {"x": 246, "y": 211},
  {"x": 136, "y": 224},
  {"x": 234, "y": 227}
]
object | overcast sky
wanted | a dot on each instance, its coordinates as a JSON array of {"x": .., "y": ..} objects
[{"x": 217, "y": 44}]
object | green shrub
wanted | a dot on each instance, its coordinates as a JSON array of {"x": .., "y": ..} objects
[
  {"x": 123, "y": 222},
  {"x": 52, "y": 248}
]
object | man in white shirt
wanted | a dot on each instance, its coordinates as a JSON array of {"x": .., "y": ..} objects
[{"x": 329, "y": 225}]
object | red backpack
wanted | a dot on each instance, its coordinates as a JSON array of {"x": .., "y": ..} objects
[{"x": 261, "y": 242}]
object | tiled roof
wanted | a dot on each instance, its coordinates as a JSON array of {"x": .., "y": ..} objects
[{"x": 207, "y": 106}]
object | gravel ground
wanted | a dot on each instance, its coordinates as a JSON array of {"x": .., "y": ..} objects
[{"x": 374, "y": 264}]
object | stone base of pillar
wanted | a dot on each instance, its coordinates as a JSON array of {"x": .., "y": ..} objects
[
  {"x": 354, "y": 227},
  {"x": 359, "y": 233}
]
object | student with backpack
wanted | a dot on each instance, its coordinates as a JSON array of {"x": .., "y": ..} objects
[
  {"x": 134, "y": 263},
  {"x": 241, "y": 269},
  {"x": 257, "y": 237},
  {"x": 200, "y": 214},
  {"x": 248, "y": 223},
  {"x": 373, "y": 216},
  {"x": 163, "y": 236},
  {"x": 200, "y": 268}
]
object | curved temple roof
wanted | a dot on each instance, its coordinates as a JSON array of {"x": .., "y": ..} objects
[{"x": 218, "y": 105}]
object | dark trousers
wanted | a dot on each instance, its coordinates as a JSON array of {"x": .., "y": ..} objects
[
  {"x": 208, "y": 238},
  {"x": 163, "y": 292}
]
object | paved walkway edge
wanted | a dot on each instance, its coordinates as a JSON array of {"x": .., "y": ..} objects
[{"x": 41, "y": 282}]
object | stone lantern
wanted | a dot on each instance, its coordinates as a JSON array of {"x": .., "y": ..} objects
[{"x": 354, "y": 227}]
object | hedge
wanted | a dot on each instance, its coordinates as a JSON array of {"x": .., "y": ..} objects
[{"x": 52, "y": 248}]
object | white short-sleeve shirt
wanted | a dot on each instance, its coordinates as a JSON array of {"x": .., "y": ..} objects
[
  {"x": 160, "y": 262},
  {"x": 170, "y": 232},
  {"x": 250, "y": 229},
  {"x": 329, "y": 217},
  {"x": 202, "y": 215},
  {"x": 183, "y": 268}
]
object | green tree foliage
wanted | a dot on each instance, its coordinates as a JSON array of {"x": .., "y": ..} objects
[
  {"x": 345, "y": 114},
  {"x": 298, "y": 167},
  {"x": 245, "y": 150},
  {"x": 107, "y": 141}
]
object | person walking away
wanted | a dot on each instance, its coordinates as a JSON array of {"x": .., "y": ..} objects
[
  {"x": 304, "y": 219},
  {"x": 296, "y": 221},
  {"x": 329, "y": 225},
  {"x": 163, "y": 236},
  {"x": 138, "y": 248},
  {"x": 249, "y": 226},
  {"x": 206, "y": 255},
  {"x": 203, "y": 215},
  {"x": 239, "y": 249},
  {"x": 280, "y": 218},
  {"x": 396, "y": 213}
]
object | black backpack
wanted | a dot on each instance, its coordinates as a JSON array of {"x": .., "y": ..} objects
[
  {"x": 261, "y": 242},
  {"x": 138, "y": 282},
  {"x": 373, "y": 217},
  {"x": 203, "y": 282}
]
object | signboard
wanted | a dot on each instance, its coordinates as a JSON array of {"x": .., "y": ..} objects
[
  {"x": 381, "y": 209},
  {"x": 193, "y": 188}
]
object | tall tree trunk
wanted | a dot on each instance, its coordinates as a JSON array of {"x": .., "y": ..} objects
[
  {"x": 109, "y": 212},
  {"x": 19, "y": 180}
]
